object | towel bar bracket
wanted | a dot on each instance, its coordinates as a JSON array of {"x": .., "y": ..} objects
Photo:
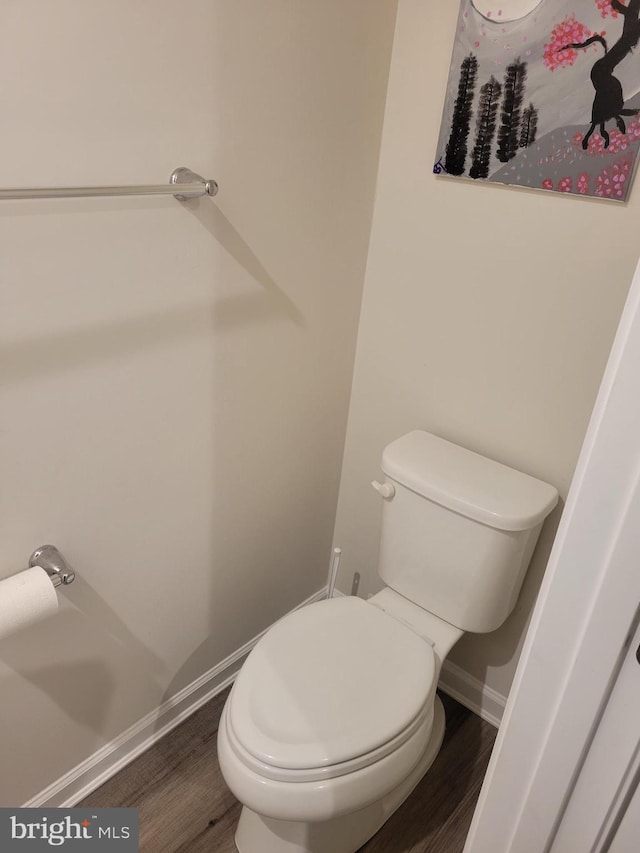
[{"x": 183, "y": 175}]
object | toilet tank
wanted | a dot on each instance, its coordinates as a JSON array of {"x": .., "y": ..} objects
[{"x": 458, "y": 529}]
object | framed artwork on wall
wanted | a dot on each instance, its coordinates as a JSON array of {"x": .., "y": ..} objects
[{"x": 544, "y": 94}]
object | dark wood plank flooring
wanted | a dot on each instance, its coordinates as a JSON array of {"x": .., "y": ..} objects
[{"x": 185, "y": 807}]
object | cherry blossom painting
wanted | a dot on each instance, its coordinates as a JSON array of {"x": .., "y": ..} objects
[{"x": 544, "y": 94}]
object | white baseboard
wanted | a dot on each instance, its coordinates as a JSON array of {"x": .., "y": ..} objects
[
  {"x": 472, "y": 693},
  {"x": 107, "y": 761}
]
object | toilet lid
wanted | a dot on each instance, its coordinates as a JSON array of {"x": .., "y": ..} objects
[{"x": 328, "y": 683}]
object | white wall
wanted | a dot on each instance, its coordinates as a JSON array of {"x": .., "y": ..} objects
[
  {"x": 174, "y": 378},
  {"x": 487, "y": 318}
]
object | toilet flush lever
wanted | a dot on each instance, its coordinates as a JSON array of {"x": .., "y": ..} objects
[{"x": 387, "y": 490}]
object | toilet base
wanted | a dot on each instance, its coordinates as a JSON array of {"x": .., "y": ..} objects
[{"x": 344, "y": 834}]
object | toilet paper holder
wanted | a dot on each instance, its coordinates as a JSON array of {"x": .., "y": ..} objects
[{"x": 51, "y": 560}]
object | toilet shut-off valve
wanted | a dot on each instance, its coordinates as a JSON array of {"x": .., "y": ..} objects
[{"x": 387, "y": 490}]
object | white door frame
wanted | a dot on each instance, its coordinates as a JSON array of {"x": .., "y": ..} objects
[
  {"x": 587, "y": 603},
  {"x": 608, "y": 781}
]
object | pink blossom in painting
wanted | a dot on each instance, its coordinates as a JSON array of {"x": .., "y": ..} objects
[
  {"x": 569, "y": 31},
  {"x": 633, "y": 130},
  {"x": 582, "y": 184},
  {"x": 547, "y": 184},
  {"x": 565, "y": 185},
  {"x": 606, "y": 9},
  {"x": 610, "y": 183},
  {"x": 617, "y": 141}
]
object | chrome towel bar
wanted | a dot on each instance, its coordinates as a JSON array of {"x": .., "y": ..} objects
[{"x": 183, "y": 184}]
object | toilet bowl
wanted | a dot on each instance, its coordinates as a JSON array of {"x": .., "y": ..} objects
[
  {"x": 331, "y": 723},
  {"x": 334, "y": 718}
]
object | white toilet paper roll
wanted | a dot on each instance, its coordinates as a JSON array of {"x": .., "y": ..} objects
[{"x": 25, "y": 598}]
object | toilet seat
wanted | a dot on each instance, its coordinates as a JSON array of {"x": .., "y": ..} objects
[
  {"x": 407, "y": 744},
  {"x": 305, "y": 710}
]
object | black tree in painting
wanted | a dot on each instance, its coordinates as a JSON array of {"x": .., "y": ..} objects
[
  {"x": 485, "y": 128},
  {"x": 528, "y": 126},
  {"x": 609, "y": 100},
  {"x": 456, "y": 154},
  {"x": 508, "y": 134}
]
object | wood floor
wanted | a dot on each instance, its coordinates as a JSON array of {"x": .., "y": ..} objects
[{"x": 185, "y": 807}]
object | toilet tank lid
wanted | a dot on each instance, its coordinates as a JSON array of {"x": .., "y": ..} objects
[{"x": 468, "y": 483}]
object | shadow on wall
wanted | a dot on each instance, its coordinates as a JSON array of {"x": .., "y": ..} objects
[
  {"x": 243, "y": 308},
  {"x": 50, "y": 354},
  {"x": 59, "y": 660},
  {"x": 77, "y": 658}
]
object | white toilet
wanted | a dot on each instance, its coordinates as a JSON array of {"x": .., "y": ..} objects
[{"x": 334, "y": 718}]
